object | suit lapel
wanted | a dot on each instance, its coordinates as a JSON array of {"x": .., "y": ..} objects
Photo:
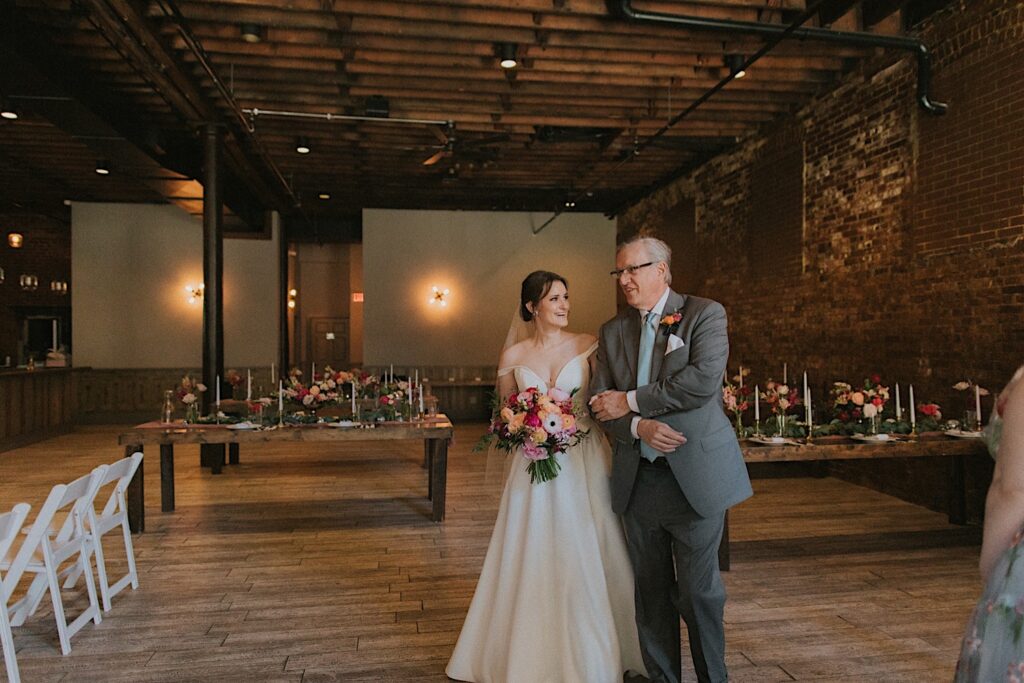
[
  {"x": 672, "y": 304},
  {"x": 629, "y": 332}
]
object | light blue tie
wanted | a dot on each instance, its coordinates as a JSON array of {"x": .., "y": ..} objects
[{"x": 643, "y": 368}]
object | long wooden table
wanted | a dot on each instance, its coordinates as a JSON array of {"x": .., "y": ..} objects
[
  {"x": 435, "y": 433},
  {"x": 826, "y": 449}
]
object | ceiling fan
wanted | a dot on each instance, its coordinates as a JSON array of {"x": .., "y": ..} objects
[{"x": 451, "y": 146}]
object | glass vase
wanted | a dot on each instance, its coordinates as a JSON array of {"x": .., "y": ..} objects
[
  {"x": 740, "y": 430},
  {"x": 781, "y": 420},
  {"x": 192, "y": 412},
  {"x": 167, "y": 413}
]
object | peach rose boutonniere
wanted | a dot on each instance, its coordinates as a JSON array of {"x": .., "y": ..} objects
[{"x": 670, "y": 323}]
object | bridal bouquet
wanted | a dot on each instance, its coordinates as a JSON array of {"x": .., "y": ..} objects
[{"x": 538, "y": 424}]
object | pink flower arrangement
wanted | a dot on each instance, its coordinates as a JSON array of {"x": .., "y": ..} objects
[
  {"x": 780, "y": 397},
  {"x": 851, "y": 404},
  {"x": 540, "y": 425}
]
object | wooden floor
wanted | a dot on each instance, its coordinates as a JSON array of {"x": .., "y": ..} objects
[{"x": 323, "y": 566}]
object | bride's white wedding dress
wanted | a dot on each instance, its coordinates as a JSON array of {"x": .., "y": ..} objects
[{"x": 554, "y": 603}]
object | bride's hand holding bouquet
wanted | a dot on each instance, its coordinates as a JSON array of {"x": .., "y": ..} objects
[{"x": 540, "y": 424}]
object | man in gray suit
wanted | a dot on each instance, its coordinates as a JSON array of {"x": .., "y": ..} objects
[{"x": 677, "y": 466}]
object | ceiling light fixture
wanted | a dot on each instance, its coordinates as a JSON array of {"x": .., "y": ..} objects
[
  {"x": 7, "y": 110},
  {"x": 15, "y": 240},
  {"x": 302, "y": 145},
  {"x": 324, "y": 196},
  {"x": 507, "y": 53},
  {"x": 734, "y": 63},
  {"x": 252, "y": 33},
  {"x": 103, "y": 167}
]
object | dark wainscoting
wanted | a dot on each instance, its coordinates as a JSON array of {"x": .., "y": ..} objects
[{"x": 35, "y": 405}]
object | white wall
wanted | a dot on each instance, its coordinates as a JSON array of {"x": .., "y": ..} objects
[
  {"x": 482, "y": 257},
  {"x": 130, "y": 264}
]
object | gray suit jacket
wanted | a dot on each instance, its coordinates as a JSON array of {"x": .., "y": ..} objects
[{"x": 686, "y": 394}]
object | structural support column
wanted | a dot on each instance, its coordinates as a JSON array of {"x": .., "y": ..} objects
[
  {"x": 284, "y": 341},
  {"x": 213, "y": 263}
]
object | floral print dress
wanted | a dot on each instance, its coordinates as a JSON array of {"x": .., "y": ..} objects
[{"x": 993, "y": 648}]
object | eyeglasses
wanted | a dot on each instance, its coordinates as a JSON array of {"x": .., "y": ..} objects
[{"x": 630, "y": 269}]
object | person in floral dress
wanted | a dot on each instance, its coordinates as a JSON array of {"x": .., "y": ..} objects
[{"x": 993, "y": 645}]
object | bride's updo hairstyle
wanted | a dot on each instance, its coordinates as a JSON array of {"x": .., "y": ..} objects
[{"x": 535, "y": 287}]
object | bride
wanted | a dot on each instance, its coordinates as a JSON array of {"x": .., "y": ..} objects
[{"x": 555, "y": 600}]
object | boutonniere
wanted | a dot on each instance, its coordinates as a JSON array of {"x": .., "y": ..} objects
[{"x": 670, "y": 323}]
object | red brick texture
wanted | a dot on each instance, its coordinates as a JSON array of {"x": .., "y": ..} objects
[{"x": 911, "y": 258}]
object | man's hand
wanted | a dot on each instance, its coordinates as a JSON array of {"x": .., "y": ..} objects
[
  {"x": 609, "y": 405},
  {"x": 659, "y": 436}
]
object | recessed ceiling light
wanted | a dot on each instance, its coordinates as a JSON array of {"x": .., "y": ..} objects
[
  {"x": 735, "y": 65},
  {"x": 252, "y": 33},
  {"x": 507, "y": 53}
]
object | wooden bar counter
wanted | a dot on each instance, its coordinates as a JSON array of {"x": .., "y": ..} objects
[{"x": 35, "y": 405}]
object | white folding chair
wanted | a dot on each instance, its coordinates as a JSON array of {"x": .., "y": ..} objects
[
  {"x": 10, "y": 525},
  {"x": 71, "y": 542},
  {"x": 114, "y": 514}
]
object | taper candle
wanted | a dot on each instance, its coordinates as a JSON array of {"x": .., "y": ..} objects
[
  {"x": 913, "y": 408},
  {"x": 899, "y": 410},
  {"x": 977, "y": 404},
  {"x": 216, "y": 385},
  {"x": 248, "y": 385},
  {"x": 785, "y": 373},
  {"x": 420, "y": 387},
  {"x": 741, "y": 377},
  {"x": 280, "y": 397},
  {"x": 757, "y": 404}
]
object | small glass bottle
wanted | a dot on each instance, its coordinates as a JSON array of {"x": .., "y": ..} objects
[{"x": 167, "y": 414}]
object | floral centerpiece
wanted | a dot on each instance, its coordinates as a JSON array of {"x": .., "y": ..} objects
[
  {"x": 188, "y": 394},
  {"x": 850, "y": 404},
  {"x": 540, "y": 425},
  {"x": 318, "y": 393},
  {"x": 736, "y": 399},
  {"x": 780, "y": 398},
  {"x": 929, "y": 417},
  {"x": 393, "y": 398}
]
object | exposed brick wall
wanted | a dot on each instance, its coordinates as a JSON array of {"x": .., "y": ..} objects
[
  {"x": 913, "y": 231},
  {"x": 47, "y": 255}
]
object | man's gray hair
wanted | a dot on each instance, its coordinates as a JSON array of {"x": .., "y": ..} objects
[{"x": 656, "y": 250}]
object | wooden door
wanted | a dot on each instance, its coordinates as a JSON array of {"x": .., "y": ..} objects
[{"x": 328, "y": 342}]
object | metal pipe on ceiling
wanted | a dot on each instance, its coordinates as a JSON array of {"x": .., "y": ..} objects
[
  {"x": 924, "y": 68},
  {"x": 171, "y": 11},
  {"x": 342, "y": 117}
]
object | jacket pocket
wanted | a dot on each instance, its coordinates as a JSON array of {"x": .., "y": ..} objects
[{"x": 718, "y": 438}]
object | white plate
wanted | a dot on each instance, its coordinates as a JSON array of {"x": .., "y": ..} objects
[
  {"x": 876, "y": 438},
  {"x": 342, "y": 423},
  {"x": 244, "y": 425},
  {"x": 773, "y": 441},
  {"x": 961, "y": 434}
]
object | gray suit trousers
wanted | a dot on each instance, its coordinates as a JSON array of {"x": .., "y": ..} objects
[{"x": 675, "y": 559}]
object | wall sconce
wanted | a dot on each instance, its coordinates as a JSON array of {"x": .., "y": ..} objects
[
  {"x": 195, "y": 292},
  {"x": 28, "y": 282},
  {"x": 292, "y": 296},
  {"x": 438, "y": 296},
  {"x": 59, "y": 287},
  {"x": 15, "y": 240}
]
